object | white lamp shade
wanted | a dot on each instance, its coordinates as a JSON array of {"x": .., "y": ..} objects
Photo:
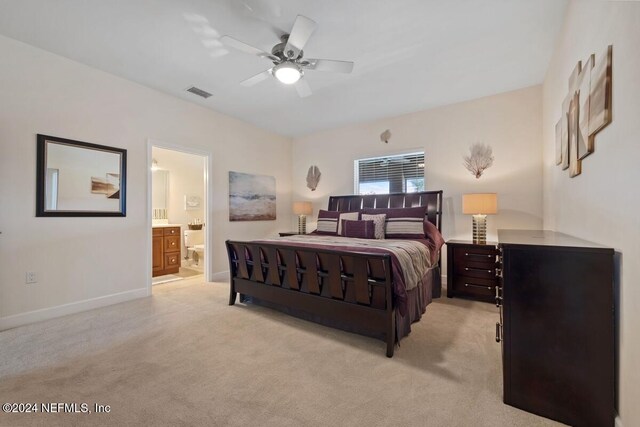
[
  {"x": 302, "y": 208},
  {"x": 480, "y": 203}
]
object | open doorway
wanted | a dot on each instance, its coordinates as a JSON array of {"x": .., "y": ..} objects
[{"x": 178, "y": 209}]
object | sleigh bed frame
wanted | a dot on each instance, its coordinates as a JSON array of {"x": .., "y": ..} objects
[{"x": 343, "y": 289}]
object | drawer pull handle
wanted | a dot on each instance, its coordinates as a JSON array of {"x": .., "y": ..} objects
[
  {"x": 498, "y": 332},
  {"x": 476, "y": 286},
  {"x": 476, "y": 269},
  {"x": 468, "y": 254}
]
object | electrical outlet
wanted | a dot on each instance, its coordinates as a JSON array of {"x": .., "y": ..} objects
[{"x": 30, "y": 277}]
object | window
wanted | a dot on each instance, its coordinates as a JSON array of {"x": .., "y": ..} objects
[{"x": 390, "y": 174}]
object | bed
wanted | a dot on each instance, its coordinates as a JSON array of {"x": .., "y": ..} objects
[{"x": 344, "y": 283}]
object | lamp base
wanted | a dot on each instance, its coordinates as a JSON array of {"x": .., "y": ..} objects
[
  {"x": 302, "y": 224},
  {"x": 479, "y": 229}
]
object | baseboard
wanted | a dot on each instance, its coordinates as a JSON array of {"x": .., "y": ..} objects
[
  {"x": 21, "y": 319},
  {"x": 618, "y": 421},
  {"x": 220, "y": 276}
]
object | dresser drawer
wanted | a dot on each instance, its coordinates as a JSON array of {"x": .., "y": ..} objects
[
  {"x": 172, "y": 243},
  {"x": 157, "y": 232},
  {"x": 474, "y": 287},
  {"x": 172, "y": 231}
]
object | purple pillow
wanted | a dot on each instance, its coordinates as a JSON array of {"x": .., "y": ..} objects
[
  {"x": 431, "y": 232},
  {"x": 359, "y": 229},
  {"x": 402, "y": 223},
  {"x": 328, "y": 222}
]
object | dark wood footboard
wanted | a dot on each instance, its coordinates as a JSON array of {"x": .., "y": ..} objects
[{"x": 337, "y": 287}]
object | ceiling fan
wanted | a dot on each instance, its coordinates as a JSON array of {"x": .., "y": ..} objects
[{"x": 289, "y": 64}]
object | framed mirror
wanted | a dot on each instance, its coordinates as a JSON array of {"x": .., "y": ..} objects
[
  {"x": 75, "y": 178},
  {"x": 159, "y": 196}
]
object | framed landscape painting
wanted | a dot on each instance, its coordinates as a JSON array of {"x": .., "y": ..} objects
[{"x": 251, "y": 197}]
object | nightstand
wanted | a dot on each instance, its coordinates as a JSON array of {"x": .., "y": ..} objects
[
  {"x": 471, "y": 270},
  {"x": 289, "y": 233}
]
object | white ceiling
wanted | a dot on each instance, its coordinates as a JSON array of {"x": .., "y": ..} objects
[{"x": 409, "y": 54}]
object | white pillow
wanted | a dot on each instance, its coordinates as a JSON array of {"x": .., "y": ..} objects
[
  {"x": 378, "y": 222},
  {"x": 351, "y": 216}
]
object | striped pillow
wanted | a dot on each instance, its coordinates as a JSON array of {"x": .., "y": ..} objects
[
  {"x": 358, "y": 229},
  {"x": 328, "y": 221},
  {"x": 379, "y": 221},
  {"x": 351, "y": 216},
  {"x": 402, "y": 223}
]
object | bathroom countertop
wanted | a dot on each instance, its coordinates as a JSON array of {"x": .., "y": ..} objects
[{"x": 166, "y": 225}]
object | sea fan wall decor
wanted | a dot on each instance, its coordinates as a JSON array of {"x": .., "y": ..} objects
[
  {"x": 480, "y": 158},
  {"x": 313, "y": 177},
  {"x": 385, "y": 136}
]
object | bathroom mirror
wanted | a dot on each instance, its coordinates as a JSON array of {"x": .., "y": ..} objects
[
  {"x": 77, "y": 178},
  {"x": 160, "y": 193}
]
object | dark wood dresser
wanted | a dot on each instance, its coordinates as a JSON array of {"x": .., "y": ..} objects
[
  {"x": 557, "y": 326},
  {"x": 471, "y": 270},
  {"x": 166, "y": 250}
]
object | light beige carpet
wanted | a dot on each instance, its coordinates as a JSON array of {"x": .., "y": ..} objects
[{"x": 183, "y": 357}]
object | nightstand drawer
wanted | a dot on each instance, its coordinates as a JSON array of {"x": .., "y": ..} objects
[
  {"x": 475, "y": 287},
  {"x": 480, "y": 271},
  {"x": 477, "y": 256}
]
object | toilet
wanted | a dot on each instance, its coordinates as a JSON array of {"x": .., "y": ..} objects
[{"x": 194, "y": 242}]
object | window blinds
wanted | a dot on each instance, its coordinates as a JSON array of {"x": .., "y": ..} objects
[{"x": 390, "y": 174}]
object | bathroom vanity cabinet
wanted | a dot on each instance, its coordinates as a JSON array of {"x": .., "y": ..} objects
[{"x": 166, "y": 250}]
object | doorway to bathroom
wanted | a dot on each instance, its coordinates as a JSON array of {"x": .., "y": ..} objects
[{"x": 178, "y": 212}]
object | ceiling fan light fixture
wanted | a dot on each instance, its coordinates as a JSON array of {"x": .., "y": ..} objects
[{"x": 287, "y": 72}]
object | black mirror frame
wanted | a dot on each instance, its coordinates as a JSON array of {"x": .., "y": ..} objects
[{"x": 41, "y": 176}]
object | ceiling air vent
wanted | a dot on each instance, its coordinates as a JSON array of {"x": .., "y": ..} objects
[{"x": 203, "y": 93}]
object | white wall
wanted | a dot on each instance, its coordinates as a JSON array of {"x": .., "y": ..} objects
[
  {"x": 186, "y": 176},
  {"x": 78, "y": 259},
  {"x": 602, "y": 203},
  {"x": 509, "y": 122}
]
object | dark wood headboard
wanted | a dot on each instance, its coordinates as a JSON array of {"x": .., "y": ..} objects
[{"x": 431, "y": 199}]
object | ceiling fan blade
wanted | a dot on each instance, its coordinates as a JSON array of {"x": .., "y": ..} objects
[
  {"x": 243, "y": 47},
  {"x": 303, "y": 88},
  {"x": 300, "y": 33},
  {"x": 257, "y": 78},
  {"x": 329, "y": 65}
]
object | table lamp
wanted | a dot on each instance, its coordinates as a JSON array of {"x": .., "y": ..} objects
[
  {"x": 480, "y": 205},
  {"x": 302, "y": 209}
]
